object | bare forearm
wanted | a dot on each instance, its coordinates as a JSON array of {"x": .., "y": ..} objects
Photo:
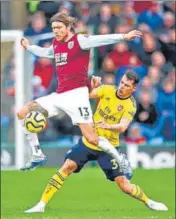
[{"x": 120, "y": 128}]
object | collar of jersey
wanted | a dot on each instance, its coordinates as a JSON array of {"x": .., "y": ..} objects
[{"x": 120, "y": 97}]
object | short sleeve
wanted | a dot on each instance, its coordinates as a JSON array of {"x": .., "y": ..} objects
[{"x": 129, "y": 113}]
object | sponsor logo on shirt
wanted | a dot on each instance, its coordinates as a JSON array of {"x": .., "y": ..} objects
[{"x": 61, "y": 58}]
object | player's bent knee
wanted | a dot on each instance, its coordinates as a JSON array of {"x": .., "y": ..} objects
[
  {"x": 21, "y": 114},
  {"x": 69, "y": 167}
]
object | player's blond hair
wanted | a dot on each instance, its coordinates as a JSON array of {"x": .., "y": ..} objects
[{"x": 64, "y": 18}]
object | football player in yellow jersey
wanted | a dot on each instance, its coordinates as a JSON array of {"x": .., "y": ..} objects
[{"x": 113, "y": 115}]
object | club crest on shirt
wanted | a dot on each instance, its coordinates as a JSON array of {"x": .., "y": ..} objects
[
  {"x": 70, "y": 44},
  {"x": 119, "y": 107}
]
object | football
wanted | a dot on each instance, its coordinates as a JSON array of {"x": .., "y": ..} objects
[{"x": 35, "y": 122}]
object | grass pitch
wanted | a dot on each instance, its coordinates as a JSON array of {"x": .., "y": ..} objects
[{"x": 87, "y": 195}]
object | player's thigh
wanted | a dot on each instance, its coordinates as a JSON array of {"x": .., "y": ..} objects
[
  {"x": 76, "y": 104},
  {"x": 80, "y": 154},
  {"x": 109, "y": 166},
  {"x": 89, "y": 133},
  {"x": 48, "y": 103}
]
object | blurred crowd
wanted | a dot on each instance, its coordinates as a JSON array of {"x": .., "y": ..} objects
[{"x": 153, "y": 57}]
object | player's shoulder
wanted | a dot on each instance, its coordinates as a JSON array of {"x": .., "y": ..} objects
[
  {"x": 133, "y": 101},
  {"x": 109, "y": 88}
]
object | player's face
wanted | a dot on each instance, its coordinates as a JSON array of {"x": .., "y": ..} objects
[
  {"x": 126, "y": 87},
  {"x": 60, "y": 30}
]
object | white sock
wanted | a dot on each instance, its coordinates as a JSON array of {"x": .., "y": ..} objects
[
  {"x": 41, "y": 204},
  {"x": 106, "y": 146},
  {"x": 33, "y": 140}
]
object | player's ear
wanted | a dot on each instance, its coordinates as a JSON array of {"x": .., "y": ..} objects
[{"x": 135, "y": 87}]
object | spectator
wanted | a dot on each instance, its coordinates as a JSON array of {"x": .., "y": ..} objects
[
  {"x": 147, "y": 46},
  {"x": 105, "y": 17},
  {"x": 146, "y": 112},
  {"x": 147, "y": 85},
  {"x": 166, "y": 98},
  {"x": 166, "y": 108},
  {"x": 134, "y": 134},
  {"x": 38, "y": 89},
  {"x": 109, "y": 79},
  {"x": 169, "y": 21},
  {"x": 140, "y": 6},
  {"x": 159, "y": 61},
  {"x": 49, "y": 8},
  {"x": 135, "y": 65},
  {"x": 44, "y": 69},
  {"x": 152, "y": 16},
  {"x": 119, "y": 57},
  {"x": 155, "y": 76},
  {"x": 66, "y": 7},
  {"x": 168, "y": 46},
  {"x": 81, "y": 27},
  {"x": 102, "y": 51},
  {"x": 123, "y": 28},
  {"x": 38, "y": 25},
  {"x": 128, "y": 15}
]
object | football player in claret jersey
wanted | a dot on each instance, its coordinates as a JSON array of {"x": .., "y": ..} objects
[
  {"x": 71, "y": 52},
  {"x": 113, "y": 115}
]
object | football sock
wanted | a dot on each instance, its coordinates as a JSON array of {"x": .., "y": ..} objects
[
  {"x": 106, "y": 146},
  {"x": 139, "y": 194},
  {"x": 53, "y": 186},
  {"x": 33, "y": 140}
]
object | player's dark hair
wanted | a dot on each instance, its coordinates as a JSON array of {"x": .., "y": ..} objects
[
  {"x": 64, "y": 18},
  {"x": 131, "y": 75}
]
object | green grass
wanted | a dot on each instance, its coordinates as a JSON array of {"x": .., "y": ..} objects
[{"x": 87, "y": 195}]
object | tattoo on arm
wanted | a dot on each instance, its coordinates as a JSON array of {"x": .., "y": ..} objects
[{"x": 34, "y": 106}]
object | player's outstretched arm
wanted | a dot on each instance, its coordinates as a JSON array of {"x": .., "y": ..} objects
[
  {"x": 37, "y": 50},
  {"x": 88, "y": 42}
]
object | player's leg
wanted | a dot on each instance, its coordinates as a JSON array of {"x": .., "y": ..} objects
[
  {"x": 54, "y": 185},
  {"x": 113, "y": 173},
  {"x": 136, "y": 192},
  {"x": 31, "y": 137},
  {"x": 74, "y": 162},
  {"x": 77, "y": 105},
  {"x": 43, "y": 105},
  {"x": 91, "y": 136}
]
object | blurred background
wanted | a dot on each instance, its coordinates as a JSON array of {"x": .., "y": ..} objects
[{"x": 150, "y": 140}]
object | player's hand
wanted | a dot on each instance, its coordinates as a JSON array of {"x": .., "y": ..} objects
[
  {"x": 24, "y": 42},
  {"x": 132, "y": 34},
  {"x": 95, "y": 82},
  {"x": 102, "y": 124}
]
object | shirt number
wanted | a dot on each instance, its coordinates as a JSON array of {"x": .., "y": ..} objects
[{"x": 114, "y": 164}]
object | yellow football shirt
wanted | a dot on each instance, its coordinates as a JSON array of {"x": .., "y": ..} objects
[{"x": 111, "y": 109}]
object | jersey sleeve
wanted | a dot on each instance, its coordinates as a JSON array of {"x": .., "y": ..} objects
[
  {"x": 90, "y": 41},
  {"x": 129, "y": 112},
  {"x": 42, "y": 52},
  {"x": 100, "y": 91}
]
